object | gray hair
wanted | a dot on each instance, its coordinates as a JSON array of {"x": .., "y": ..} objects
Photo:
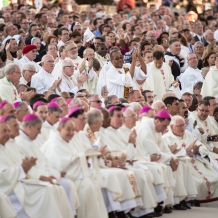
[
  {"x": 175, "y": 118},
  {"x": 21, "y": 105},
  {"x": 54, "y": 109},
  {"x": 66, "y": 62},
  {"x": 10, "y": 68},
  {"x": 32, "y": 122},
  {"x": 155, "y": 104},
  {"x": 135, "y": 105},
  {"x": 33, "y": 40},
  {"x": 94, "y": 115},
  {"x": 108, "y": 100},
  {"x": 198, "y": 42},
  {"x": 103, "y": 89},
  {"x": 205, "y": 33},
  {"x": 28, "y": 66},
  {"x": 69, "y": 42},
  {"x": 74, "y": 101},
  {"x": 84, "y": 52}
]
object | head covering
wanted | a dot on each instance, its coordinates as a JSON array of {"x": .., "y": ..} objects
[
  {"x": 3, "y": 118},
  {"x": 17, "y": 38},
  {"x": 112, "y": 108},
  {"x": 68, "y": 100},
  {"x": 29, "y": 117},
  {"x": 124, "y": 109},
  {"x": 28, "y": 48},
  {"x": 64, "y": 119},
  {"x": 163, "y": 114},
  {"x": 38, "y": 103},
  {"x": 53, "y": 105},
  {"x": 73, "y": 110},
  {"x": 16, "y": 104},
  {"x": 145, "y": 109},
  {"x": 54, "y": 100},
  {"x": 3, "y": 104}
]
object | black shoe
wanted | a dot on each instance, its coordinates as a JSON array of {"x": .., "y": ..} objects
[
  {"x": 149, "y": 215},
  {"x": 184, "y": 203},
  {"x": 179, "y": 207},
  {"x": 121, "y": 215},
  {"x": 112, "y": 215},
  {"x": 158, "y": 214},
  {"x": 167, "y": 209}
]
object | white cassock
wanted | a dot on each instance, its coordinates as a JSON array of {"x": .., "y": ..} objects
[
  {"x": 102, "y": 77},
  {"x": 91, "y": 83},
  {"x": 76, "y": 63},
  {"x": 159, "y": 80},
  {"x": 23, "y": 81},
  {"x": 30, "y": 197},
  {"x": 61, "y": 154},
  {"x": 24, "y": 60},
  {"x": 189, "y": 78},
  {"x": 120, "y": 191},
  {"x": 57, "y": 68},
  {"x": 203, "y": 173},
  {"x": 210, "y": 85},
  {"x": 29, "y": 149},
  {"x": 8, "y": 91},
  {"x": 142, "y": 173},
  {"x": 42, "y": 81},
  {"x": 149, "y": 141},
  {"x": 6, "y": 208},
  {"x": 213, "y": 122},
  {"x": 102, "y": 60},
  {"x": 117, "y": 79},
  {"x": 69, "y": 84}
]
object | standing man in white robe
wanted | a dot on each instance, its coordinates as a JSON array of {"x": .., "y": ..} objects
[
  {"x": 161, "y": 78},
  {"x": 210, "y": 85},
  {"x": 44, "y": 80},
  {"x": 192, "y": 74},
  {"x": 120, "y": 76}
]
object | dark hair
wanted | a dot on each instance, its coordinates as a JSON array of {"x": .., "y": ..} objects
[
  {"x": 115, "y": 109},
  {"x": 3, "y": 56},
  {"x": 186, "y": 93},
  {"x": 144, "y": 94},
  {"x": 96, "y": 21},
  {"x": 124, "y": 26},
  {"x": 215, "y": 111},
  {"x": 96, "y": 64},
  {"x": 172, "y": 41},
  {"x": 107, "y": 20},
  {"x": 208, "y": 98},
  {"x": 162, "y": 119},
  {"x": 205, "y": 60},
  {"x": 144, "y": 44},
  {"x": 133, "y": 27},
  {"x": 204, "y": 102},
  {"x": 50, "y": 45},
  {"x": 158, "y": 55},
  {"x": 198, "y": 85},
  {"x": 74, "y": 34},
  {"x": 108, "y": 100},
  {"x": 52, "y": 96},
  {"x": 170, "y": 100},
  {"x": 51, "y": 37},
  {"x": 20, "y": 6},
  {"x": 123, "y": 100},
  {"x": 61, "y": 29},
  {"x": 77, "y": 113},
  {"x": 130, "y": 42},
  {"x": 181, "y": 100}
]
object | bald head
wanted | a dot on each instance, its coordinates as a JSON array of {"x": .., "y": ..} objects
[
  {"x": 158, "y": 48},
  {"x": 48, "y": 63},
  {"x": 158, "y": 105}
]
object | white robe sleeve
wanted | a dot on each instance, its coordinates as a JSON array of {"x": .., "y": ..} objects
[{"x": 38, "y": 84}]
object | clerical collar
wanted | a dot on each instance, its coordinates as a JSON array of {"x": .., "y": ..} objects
[{"x": 22, "y": 132}]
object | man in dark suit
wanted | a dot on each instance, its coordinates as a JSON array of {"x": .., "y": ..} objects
[
  {"x": 198, "y": 29},
  {"x": 209, "y": 37}
]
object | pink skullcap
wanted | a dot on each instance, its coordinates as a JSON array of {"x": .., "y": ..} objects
[
  {"x": 64, "y": 119},
  {"x": 54, "y": 100},
  {"x": 124, "y": 109},
  {"x": 73, "y": 110},
  {"x": 112, "y": 108},
  {"x": 145, "y": 109},
  {"x": 3, "y": 118},
  {"x": 53, "y": 105},
  {"x": 29, "y": 117},
  {"x": 68, "y": 100},
  {"x": 37, "y": 104},
  {"x": 3, "y": 104},
  {"x": 163, "y": 114},
  {"x": 16, "y": 104}
]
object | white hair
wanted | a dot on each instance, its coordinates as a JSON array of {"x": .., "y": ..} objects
[
  {"x": 28, "y": 66},
  {"x": 135, "y": 105},
  {"x": 66, "y": 62},
  {"x": 155, "y": 104},
  {"x": 10, "y": 68},
  {"x": 175, "y": 118},
  {"x": 205, "y": 33},
  {"x": 34, "y": 39},
  {"x": 94, "y": 115},
  {"x": 84, "y": 52}
]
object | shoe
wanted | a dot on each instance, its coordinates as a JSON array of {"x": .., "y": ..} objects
[
  {"x": 184, "y": 203},
  {"x": 167, "y": 209},
  {"x": 121, "y": 215},
  {"x": 179, "y": 207},
  {"x": 112, "y": 215}
]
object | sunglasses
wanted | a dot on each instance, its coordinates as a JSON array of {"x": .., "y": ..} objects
[{"x": 97, "y": 101}]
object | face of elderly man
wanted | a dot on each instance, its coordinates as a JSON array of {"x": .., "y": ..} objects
[
  {"x": 68, "y": 68},
  {"x": 28, "y": 73},
  {"x": 179, "y": 127}
]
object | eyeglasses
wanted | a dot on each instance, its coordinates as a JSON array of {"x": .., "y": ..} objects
[
  {"x": 149, "y": 96},
  {"x": 180, "y": 126},
  {"x": 72, "y": 67},
  {"x": 120, "y": 58},
  {"x": 31, "y": 71},
  {"x": 97, "y": 101},
  {"x": 204, "y": 111}
]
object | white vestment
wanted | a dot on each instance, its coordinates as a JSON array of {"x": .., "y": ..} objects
[
  {"x": 102, "y": 60},
  {"x": 116, "y": 79},
  {"x": 8, "y": 91},
  {"x": 42, "y": 81},
  {"x": 189, "y": 78},
  {"x": 61, "y": 155},
  {"x": 6, "y": 208},
  {"x": 210, "y": 85},
  {"x": 36, "y": 197},
  {"x": 159, "y": 80},
  {"x": 23, "y": 81},
  {"x": 205, "y": 177}
]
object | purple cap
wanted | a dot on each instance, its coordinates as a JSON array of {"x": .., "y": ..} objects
[
  {"x": 16, "y": 104},
  {"x": 124, "y": 109},
  {"x": 73, "y": 110},
  {"x": 3, "y": 118},
  {"x": 145, "y": 109},
  {"x": 3, "y": 104},
  {"x": 30, "y": 117},
  {"x": 112, "y": 108},
  {"x": 68, "y": 100},
  {"x": 64, "y": 119},
  {"x": 163, "y": 114},
  {"x": 37, "y": 104},
  {"x": 53, "y": 105},
  {"x": 54, "y": 100}
]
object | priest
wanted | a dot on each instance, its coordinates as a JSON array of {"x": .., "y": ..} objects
[
  {"x": 20, "y": 180},
  {"x": 6, "y": 208},
  {"x": 62, "y": 156}
]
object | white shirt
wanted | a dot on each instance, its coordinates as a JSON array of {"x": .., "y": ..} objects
[
  {"x": 60, "y": 43},
  {"x": 42, "y": 81},
  {"x": 190, "y": 77}
]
